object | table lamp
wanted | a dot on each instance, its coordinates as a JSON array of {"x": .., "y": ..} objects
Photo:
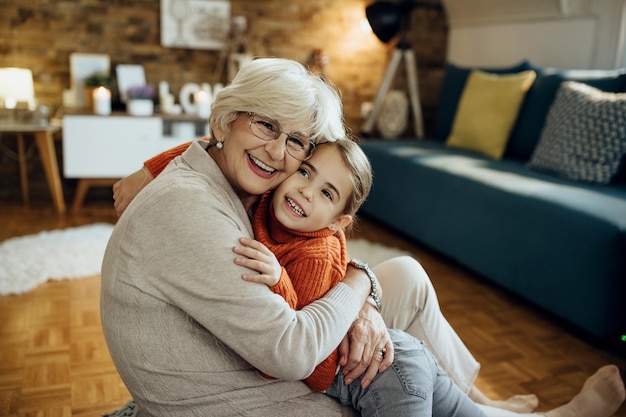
[
  {"x": 16, "y": 88},
  {"x": 17, "y": 98}
]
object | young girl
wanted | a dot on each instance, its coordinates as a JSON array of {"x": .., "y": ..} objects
[{"x": 299, "y": 234}]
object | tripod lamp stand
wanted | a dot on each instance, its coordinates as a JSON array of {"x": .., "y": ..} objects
[{"x": 387, "y": 20}]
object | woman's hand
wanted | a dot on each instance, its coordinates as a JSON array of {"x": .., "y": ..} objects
[
  {"x": 128, "y": 187},
  {"x": 359, "y": 351},
  {"x": 258, "y": 258}
]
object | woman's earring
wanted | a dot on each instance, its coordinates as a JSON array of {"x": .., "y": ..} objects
[{"x": 219, "y": 145}]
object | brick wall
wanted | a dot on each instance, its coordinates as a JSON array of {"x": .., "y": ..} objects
[{"x": 42, "y": 34}]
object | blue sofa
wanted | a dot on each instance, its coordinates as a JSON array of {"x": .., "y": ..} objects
[{"x": 558, "y": 243}]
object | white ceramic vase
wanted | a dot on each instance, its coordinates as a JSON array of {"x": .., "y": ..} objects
[{"x": 140, "y": 107}]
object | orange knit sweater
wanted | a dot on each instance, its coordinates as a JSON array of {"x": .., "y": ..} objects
[
  {"x": 312, "y": 262},
  {"x": 157, "y": 163}
]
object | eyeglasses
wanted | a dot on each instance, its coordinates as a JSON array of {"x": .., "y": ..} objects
[{"x": 298, "y": 146}]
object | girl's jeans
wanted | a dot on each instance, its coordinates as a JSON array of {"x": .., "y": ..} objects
[
  {"x": 414, "y": 385},
  {"x": 410, "y": 303}
]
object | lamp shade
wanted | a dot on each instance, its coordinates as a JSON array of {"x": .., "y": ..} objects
[
  {"x": 385, "y": 18},
  {"x": 16, "y": 84}
]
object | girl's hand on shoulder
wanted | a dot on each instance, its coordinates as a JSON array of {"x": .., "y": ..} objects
[
  {"x": 126, "y": 189},
  {"x": 256, "y": 256}
]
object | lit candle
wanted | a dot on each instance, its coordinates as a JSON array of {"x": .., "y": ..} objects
[
  {"x": 102, "y": 101},
  {"x": 203, "y": 103},
  {"x": 164, "y": 88}
]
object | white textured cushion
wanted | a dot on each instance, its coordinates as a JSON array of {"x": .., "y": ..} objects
[{"x": 584, "y": 138}]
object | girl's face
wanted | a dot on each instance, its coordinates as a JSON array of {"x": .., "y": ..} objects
[
  {"x": 251, "y": 165},
  {"x": 315, "y": 197}
]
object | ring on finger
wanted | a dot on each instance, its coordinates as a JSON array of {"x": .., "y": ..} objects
[{"x": 380, "y": 351}]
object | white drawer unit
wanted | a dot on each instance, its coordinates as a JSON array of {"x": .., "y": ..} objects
[
  {"x": 115, "y": 146},
  {"x": 100, "y": 149}
]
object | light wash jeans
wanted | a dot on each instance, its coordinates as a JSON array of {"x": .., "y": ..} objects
[
  {"x": 410, "y": 304},
  {"x": 414, "y": 385}
]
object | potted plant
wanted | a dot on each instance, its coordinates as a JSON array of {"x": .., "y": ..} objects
[
  {"x": 93, "y": 81},
  {"x": 140, "y": 100}
]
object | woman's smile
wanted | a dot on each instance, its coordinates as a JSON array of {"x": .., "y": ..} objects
[{"x": 260, "y": 167}]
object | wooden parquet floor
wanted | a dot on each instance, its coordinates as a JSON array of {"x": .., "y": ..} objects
[{"x": 54, "y": 362}]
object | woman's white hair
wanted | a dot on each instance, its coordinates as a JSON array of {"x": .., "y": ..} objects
[{"x": 284, "y": 90}]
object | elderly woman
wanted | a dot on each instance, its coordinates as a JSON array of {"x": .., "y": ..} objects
[{"x": 187, "y": 334}]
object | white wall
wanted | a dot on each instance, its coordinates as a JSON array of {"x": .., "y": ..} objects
[{"x": 577, "y": 34}]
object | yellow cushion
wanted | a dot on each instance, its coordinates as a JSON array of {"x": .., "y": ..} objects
[{"x": 487, "y": 111}]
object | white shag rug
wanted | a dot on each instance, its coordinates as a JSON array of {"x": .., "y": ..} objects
[
  {"x": 28, "y": 261},
  {"x": 77, "y": 252}
]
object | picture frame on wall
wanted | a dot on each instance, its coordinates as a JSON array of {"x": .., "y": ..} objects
[{"x": 195, "y": 24}]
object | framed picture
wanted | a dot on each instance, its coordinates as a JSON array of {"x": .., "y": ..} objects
[
  {"x": 195, "y": 24},
  {"x": 129, "y": 76}
]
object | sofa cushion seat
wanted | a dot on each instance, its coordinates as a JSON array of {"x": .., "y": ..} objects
[{"x": 557, "y": 243}]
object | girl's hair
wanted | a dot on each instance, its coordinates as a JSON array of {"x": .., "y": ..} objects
[
  {"x": 284, "y": 90},
  {"x": 361, "y": 170}
]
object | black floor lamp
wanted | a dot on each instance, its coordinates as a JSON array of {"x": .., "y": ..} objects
[{"x": 387, "y": 20}]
